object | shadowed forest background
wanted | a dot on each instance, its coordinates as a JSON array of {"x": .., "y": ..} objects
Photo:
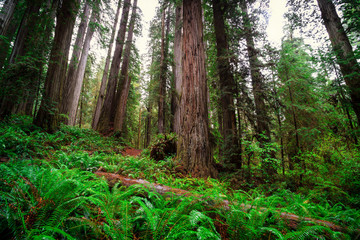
[{"x": 215, "y": 133}]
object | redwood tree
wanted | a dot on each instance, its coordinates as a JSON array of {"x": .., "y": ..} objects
[
  {"x": 227, "y": 88},
  {"x": 48, "y": 116},
  {"x": 349, "y": 67},
  {"x": 106, "y": 114},
  {"x": 193, "y": 147}
]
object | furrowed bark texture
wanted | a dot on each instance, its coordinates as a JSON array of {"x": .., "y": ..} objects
[
  {"x": 349, "y": 67},
  {"x": 178, "y": 67},
  {"x": 193, "y": 145}
]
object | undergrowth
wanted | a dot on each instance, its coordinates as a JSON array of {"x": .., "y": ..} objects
[{"x": 48, "y": 190}]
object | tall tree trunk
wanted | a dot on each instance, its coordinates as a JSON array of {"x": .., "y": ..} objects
[
  {"x": 70, "y": 83},
  {"x": 104, "y": 123},
  {"x": 7, "y": 28},
  {"x": 193, "y": 145},
  {"x": 27, "y": 59},
  {"x": 349, "y": 67},
  {"x": 148, "y": 125},
  {"x": 124, "y": 83},
  {"x": 29, "y": 20},
  {"x": 163, "y": 69},
  {"x": 101, "y": 96},
  {"x": 178, "y": 67},
  {"x": 79, "y": 77},
  {"x": 262, "y": 127},
  {"x": 48, "y": 116},
  {"x": 6, "y": 15},
  {"x": 227, "y": 88}
]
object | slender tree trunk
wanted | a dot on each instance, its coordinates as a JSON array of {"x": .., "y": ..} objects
[
  {"x": 30, "y": 18},
  {"x": 79, "y": 77},
  {"x": 101, "y": 96},
  {"x": 227, "y": 88},
  {"x": 178, "y": 67},
  {"x": 48, "y": 116},
  {"x": 262, "y": 127},
  {"x": 6, "y": 15},
  {"x": 124, "y": 83},
  {"x": 70, "y": 83},
  {"x": 193, "y": 147},
  {"x": 163, "y": 69},
  {"x": 148, "y": 126},
  {"x": 104, "y": 123},
  {"x": 349, "y": 67},
  {"x": 139, "y": 129},
  {"x": 7, "y": 28}
]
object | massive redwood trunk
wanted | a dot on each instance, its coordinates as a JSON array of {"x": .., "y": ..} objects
[
  {"x": 349, "y": 67},
  {"x": 227, "y": 90},
  {"x": 178, "y": 68},
  {"x": 193, "y": 148},
  {"x": 105, "y": 120},
  {"x": 125, "y": 80},
  {"x": 48, "y": 116},
  {"x": 101, "y": 96},
  {"x": 70, "y": 83}
]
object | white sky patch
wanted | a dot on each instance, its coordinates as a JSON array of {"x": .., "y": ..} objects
[
  {"x": 148, "y": 9},
  {"x": 274, "y": 30}
]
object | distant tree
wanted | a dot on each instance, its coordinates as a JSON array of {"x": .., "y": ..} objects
[
  {"x": 70, "y": 82},
  {"x": 106, "y": 116},
  {"x": 165, "y": 28},
  {"x": 100, "y": 99},
  {"x": 227, "y": 89},
  {"x": 124, "y": 83}
]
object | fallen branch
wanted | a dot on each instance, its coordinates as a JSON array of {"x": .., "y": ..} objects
[{"x": 292, "y": 220}]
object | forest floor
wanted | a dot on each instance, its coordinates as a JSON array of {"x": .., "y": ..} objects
[
  {"x": 76, "y": 184},
  {"x": 129, "y": 151}
]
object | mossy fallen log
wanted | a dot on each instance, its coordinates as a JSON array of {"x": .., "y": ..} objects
[{"x": 290, "y": 219}]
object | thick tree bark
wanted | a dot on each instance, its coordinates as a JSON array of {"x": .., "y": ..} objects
[
  {"x": 227, "y": 89},
  {"x": 349, "y": 67},
  {"x": 163, "y": 69},
  {"x": 125, "y": 80},
  {"x": 48, "y": 116},
  {"x": 104, "y": 123},
  {"x": 178, "y": 67},
  {"x": 101, "y": 96},
  {"x": 79, "y": 77},
  {"x": 193, "y": 148},
  {"x": 70, "y": 83}
]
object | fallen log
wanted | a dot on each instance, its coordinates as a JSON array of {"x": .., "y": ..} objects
[{"x": 292, "y": 220}]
